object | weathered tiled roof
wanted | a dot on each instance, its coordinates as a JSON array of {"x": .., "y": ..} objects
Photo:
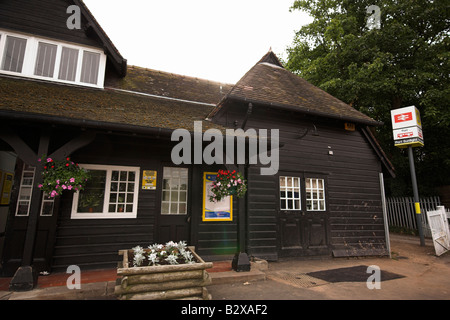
[
  {"x": 33, "y": 98},
  {"x": 268, "y": 83},
  {"x": 169, "y": 85}
]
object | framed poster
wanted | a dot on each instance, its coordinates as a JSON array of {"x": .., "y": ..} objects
[
  {"x": 215, "y": 211},
  {"x": 149, "y": 179}
]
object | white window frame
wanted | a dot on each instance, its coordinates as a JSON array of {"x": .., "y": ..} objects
[
  {"x": 45, "y": 198},
  {"x": 291, "y": 188},
  {"x": 315, "y": 194},
  {"x": 105, "y": 214},
  {"x": 178, "y": 190},
  {"x": 30, "y": 170},
  {"x": 30, "y": 58}
]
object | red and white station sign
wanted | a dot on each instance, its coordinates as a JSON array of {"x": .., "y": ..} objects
[
  {"x": 406, "y": 133},
  {"x": 405, "y": 117},
  {"x": 407, "y": 127}
]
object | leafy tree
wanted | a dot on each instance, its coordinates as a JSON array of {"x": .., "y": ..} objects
[{"x": 403, "y": 62}]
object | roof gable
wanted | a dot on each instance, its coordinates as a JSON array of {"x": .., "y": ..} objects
[
  {"x": 268, "y": 83},
  {"x": 270, "y": 58},
  {"x": 49, "y": 19}
]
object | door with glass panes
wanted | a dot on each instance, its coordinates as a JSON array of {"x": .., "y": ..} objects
[
  {"x": 174, "y": 216},
  {"x": 19, "y": 213},
  {"x": 302, "y": 215}
]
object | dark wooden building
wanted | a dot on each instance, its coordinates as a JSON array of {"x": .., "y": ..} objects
[{"x": 70, "y": 93}]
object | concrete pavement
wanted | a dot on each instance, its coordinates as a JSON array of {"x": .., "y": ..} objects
[{"x": 425, "y": 277}]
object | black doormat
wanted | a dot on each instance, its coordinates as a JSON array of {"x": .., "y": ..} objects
[{"x": 351, "y": 274}]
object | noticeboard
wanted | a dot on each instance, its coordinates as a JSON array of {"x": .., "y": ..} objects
[{"x": 215, "y": 211}]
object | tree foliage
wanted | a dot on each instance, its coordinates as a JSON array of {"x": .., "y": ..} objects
[{"x": 403, "y": 62}]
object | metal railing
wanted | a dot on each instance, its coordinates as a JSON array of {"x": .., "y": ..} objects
[{"x": 401, "y": 213}]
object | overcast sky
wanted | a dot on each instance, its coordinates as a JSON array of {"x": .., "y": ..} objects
[{"x": 212, "y": 39}]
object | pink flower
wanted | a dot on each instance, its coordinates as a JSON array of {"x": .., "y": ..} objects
[
  {"x": 69, "y": 187},
  {"x": 64, "y": 187},
  {"x": 57, "y": 181},
  {"x": 40, "y": 185},
  {"x": 49, "y": 160},
  {"x": 72, "y": 179}
]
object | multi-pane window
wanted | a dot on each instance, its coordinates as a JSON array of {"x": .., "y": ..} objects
[
  {"x": 14, "y": 53},
  {"x": 110, "y": 192},
  {"x": 68, "y": 67},
  {"x": 290, "y": 193},
  {"x": 34, "y": 57},
  {"x": 47, "y": 205},
  {"x": 122, "y": 191},
  {"x": 315, "y": 194},
  {"x": 174, "y": 191},
  {"x": 45, "y": 60},
  {"x": 25, "y": 192},
  {"x": 291, "y": 190}
]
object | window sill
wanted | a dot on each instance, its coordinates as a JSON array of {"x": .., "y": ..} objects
[{"x": 100, "y": 215}]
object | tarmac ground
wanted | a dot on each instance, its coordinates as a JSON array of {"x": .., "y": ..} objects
[
  {"x": 417, "y": 274},
  {"x": 421, "y": 275}
]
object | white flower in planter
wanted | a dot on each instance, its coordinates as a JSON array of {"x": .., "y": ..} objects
[
  {"x": 187, "y": 255},
  {"x": 172, "y": 259},
  {"x": 171, "y": 244},
  {"x": 181, "y": 245},
  {"x": 138, "y": 256},
  {"x": 153, "y": 258}
]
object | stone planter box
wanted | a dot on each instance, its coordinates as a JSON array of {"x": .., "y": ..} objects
[{"x": 165, "y": 282}]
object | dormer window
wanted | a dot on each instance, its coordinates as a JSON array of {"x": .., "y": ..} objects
[{"x": 45, "y": 59}]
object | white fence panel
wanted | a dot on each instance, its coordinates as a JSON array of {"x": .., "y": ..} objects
[{"x": 437, "y": 220}]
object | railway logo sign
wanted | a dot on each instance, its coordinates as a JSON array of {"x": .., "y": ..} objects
[{"x": 407, "y": 127}]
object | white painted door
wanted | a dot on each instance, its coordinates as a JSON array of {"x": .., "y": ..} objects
[{"x": 439, "y": 230}]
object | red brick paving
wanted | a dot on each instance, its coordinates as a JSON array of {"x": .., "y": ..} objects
[{"x": 60, "y": 279}]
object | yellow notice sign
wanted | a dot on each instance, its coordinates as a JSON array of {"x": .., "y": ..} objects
[
  {"x": 5, "y": 189},
  {"x": 149, "y": 179}
]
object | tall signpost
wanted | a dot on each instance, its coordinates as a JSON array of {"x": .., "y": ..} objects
[{"x": 407, "y": 130}]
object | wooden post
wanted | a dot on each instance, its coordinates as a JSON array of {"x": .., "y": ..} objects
[
  {"x": 241, "y": 261},
  {"x": 25, "y": 277}
]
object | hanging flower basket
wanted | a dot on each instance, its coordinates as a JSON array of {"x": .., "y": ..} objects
[
  {"x": 228, "y": 183},
  {"x": 61, "y": 176}
]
